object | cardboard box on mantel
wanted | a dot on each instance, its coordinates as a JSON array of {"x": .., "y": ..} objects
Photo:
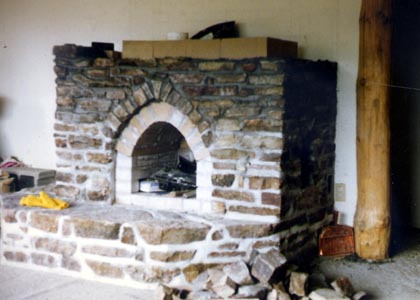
[{"x": 232, "y": 48}]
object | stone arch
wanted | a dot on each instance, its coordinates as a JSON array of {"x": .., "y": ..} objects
[
  {"x": 154, "y": 113},
  {"x": 161, "y": 112},
  {"x": 155, "y": 90}
]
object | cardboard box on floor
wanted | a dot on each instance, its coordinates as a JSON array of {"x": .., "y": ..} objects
[{"x": 233, "y": 48}]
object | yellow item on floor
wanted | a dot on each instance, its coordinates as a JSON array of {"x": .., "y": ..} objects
[{"x": 43, "y": 200}]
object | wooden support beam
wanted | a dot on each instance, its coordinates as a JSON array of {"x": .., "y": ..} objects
[{"x": 372, "y": 219}]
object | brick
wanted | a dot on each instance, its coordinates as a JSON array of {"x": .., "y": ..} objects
[
  {"x": 266, "y": 79},
  {"x": 262, "y": 211},
  {"x": 99, "y": 105},
  {"x": 103, "y": 62},
  {"x": 140, "y": 96},
  {"x": 228, "y": 125},
  {"x": 262, "y": 125},
  {"x": 187, "y": 78},
  {"x": 269, "y": 91},
  {"x": 84, "y": 142},
  {"x": 231, "y": 78},
  {"x": 231, "y": 154},
  {"x": 249, "y": 67},
  {"x": 218, "y": 207},
  {"x": 233, "y": 195},
  {"x": 225, "y": 180},
  {"x": 99, "y": 158},
  {"x": 224, "y": 254},
  {"x": 269, "y": 66},
  {"x": 271, "y": 199},
  {"x": 67, "y": 191},
  {"x": 115, "y": 95},
  {"x": 270, "y": 143},
  {"x": 216, "y": 66},
  {"x": 97, "y": 73},
  {"x": 249, "y": 230},
  {"x": 263, "y": 183},
  {"x": 195, "y": 91},
  {"x": 242, "y": 111},
  {"x": 64, "y": 102}
]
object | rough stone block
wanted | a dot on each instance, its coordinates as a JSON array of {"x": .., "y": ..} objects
[
  {"x": 216, "y": 66},
  {"x": 70, "y": 264},
  {"x": 220, "y": 283},
  {"x": 228, "y": 125},
  {"x": 128, "y": 236},
  {"x": 298, "y": 283},
  {"x": 151, "y": 273},
  {"x": 106, "y": 251},
  {"x": 238, "y": 272},
  {"x": 343, "y": 286},
  {"x": 262, "y": 211},
  {"x": 54, "y": 245},
  {"x": 269, "y": 267},
  {"x": 105, "y": 269},
  {"x": 172, "y": 231},
  {"x": 257, "y": 291},
  {"x": 193, "y": 271},
  {"x": 44, "y": 260},
  {"x": 173, "y": 256},
  {"x": 249, "y": 229},
  {"x": 232, "y": 154},
  {"x": 326, "y": 294},
  {"x": 15, "y": 256},
  {"x": 44, "y": 221},
  {"x": 95, "y": 229}
]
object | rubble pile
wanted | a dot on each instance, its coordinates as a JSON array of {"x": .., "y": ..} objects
[{"x": 267, "y": 276}]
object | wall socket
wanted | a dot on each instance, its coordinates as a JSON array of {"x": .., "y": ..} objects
[{"x": 340, "y": 192}]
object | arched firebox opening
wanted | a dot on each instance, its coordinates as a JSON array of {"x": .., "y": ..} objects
[{"x": 163, "y": 163}]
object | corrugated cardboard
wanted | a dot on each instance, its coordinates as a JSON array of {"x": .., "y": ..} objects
[{"x": 234, "y": 48}]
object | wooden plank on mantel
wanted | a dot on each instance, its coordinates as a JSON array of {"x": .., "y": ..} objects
[{"x": 234, "y": 48}]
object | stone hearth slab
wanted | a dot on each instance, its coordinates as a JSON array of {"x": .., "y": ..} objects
[{"x": 129, "y": 245}]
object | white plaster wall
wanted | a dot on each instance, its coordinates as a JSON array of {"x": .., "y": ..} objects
[{"x": 324, "y": 29}]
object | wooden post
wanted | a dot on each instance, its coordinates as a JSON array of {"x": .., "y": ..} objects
[{"x": 372, "y": 219}]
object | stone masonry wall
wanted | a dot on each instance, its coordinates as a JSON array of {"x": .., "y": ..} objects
[{"x": 264, "y": 129}]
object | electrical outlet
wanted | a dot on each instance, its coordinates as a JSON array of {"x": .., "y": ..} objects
[{"x": 340, "y": 192}]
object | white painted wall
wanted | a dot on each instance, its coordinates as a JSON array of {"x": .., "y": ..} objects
[{"x": 324, "y": 29}]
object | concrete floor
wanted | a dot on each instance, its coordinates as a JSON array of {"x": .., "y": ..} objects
[
  {"x": 396, "y": 279},
  {"x": 23, "y": 284}
]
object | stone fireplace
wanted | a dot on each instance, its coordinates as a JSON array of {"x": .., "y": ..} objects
[{"x": 259, "y": 131}]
